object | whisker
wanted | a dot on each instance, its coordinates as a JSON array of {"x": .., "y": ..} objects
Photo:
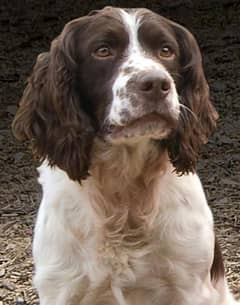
[
  {"x": 176, "y": 74},
  {"x": 188, "y": 110}
]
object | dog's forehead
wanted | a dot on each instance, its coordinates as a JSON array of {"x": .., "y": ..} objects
[
  {"x": 127, "y": 17},
  {"x": 107, "y": 13},
  {"x": 117, "y": 11},
  {"x": 141, "y": 12},
  {"x": 120, "y": 15}
]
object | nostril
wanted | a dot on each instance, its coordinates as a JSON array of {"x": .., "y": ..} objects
[
  {"x": 165, "y": 86},
  {"x": 146, "y": 86}
]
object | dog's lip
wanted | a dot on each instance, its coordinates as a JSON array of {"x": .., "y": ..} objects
[{"x": 141, "y": 126}]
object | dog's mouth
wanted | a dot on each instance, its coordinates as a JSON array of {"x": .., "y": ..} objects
[{"x": 153, "y": 126}]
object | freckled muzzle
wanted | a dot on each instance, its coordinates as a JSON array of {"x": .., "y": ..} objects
[
  {"x": 146, "y": 92},
  {"x": 149, "y": 110}
]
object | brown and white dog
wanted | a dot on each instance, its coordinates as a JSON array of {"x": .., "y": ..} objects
[{"x": 117, "y": 111}]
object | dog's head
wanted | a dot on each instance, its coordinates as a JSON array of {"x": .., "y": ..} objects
[{"x": 122, "y": 75}]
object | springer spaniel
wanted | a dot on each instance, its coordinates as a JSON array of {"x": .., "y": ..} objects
[{"x": 117, "y": 111}]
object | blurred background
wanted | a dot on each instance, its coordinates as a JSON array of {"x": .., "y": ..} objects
[{"x": 26, "y": 29}]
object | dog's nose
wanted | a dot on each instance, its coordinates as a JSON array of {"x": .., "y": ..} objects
[{"x": 154, "y": 85}]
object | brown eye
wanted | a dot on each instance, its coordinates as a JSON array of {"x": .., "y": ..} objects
[
  {"x": 166, "y": 52},
  {"x": 102, "y": 52}
]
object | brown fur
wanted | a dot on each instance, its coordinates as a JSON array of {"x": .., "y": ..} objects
[
  {"x": 51, "y": 114},
  {"x": 195, "y": 125},
  {"x": 217, "y": 270},
  {"x": 124, "y": 195}
]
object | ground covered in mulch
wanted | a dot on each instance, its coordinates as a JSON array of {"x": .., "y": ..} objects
[{"x": 26, "y": 29}]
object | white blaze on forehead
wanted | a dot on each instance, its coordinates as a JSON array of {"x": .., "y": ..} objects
[
  {"x": 137, "y": 60},
  {"x": 132, "y": 23},
  {"x": 137, "y": 57}
]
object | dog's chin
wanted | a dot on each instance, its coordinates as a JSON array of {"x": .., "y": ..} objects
[{"x": 152, "y": 127}]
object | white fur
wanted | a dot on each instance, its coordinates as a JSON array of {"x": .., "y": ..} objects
[
  {"x": 76, "y": 264},
  {"x": 138, "y": 60}
]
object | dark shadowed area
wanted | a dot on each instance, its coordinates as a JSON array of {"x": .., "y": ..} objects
[{"x": 26, "y": 29}]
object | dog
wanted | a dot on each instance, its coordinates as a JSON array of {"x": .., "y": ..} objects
[{"x": 117, "y": 112}]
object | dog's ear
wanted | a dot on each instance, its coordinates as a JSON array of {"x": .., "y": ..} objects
[
  {"x": 198, "y": 115},
  {"x": 51, "y": 113}
]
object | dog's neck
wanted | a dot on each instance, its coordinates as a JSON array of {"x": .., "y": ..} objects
[
  {"x": 125, "y": 179},
  {"x": 123, "y": 188},
  {"x": 124, "y": 165}
]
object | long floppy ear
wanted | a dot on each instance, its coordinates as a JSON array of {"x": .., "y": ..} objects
[
  {"x": 51, "y": 113},
  {"x": 198, "y": 115}
]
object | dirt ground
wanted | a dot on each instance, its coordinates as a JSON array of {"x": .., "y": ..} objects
[{"x": 26, "y": 29}]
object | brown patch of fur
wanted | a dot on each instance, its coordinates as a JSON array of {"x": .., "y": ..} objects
[
  {"x": 51, "y": 113},
  {"x": 217, "y": 269},
  {"x": 125, "y": 179},
  {"x": 128, "y": 70}
]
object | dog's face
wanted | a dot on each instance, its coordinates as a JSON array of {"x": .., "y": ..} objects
[
  {"x": 122, "y": 75},
  {"x": 128, "y": 68}
]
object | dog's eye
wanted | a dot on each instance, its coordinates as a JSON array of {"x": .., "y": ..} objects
[
  {"x": 102, "y": 51},
  {"x": 166, "y": 52}
]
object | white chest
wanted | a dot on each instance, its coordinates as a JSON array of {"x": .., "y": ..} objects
[{"x": 170, "y": 255}]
